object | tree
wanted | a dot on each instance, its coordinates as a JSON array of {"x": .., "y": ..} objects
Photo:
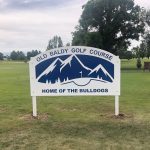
[
  {"x": 19, "y": 55},
  {"x": 13, "y": 55},
  {"x": 142, "y": 50},
  {"x": 123, "y": 54},
  {"x": 147, "y": 17},
  {"x": 1, "y": 56},
  {"x": 138, "y": 63},
  {"x": 55, "y": 42},
  {"x": 146, "y": 41},
  {"x": 109, "y": 24},
  {"x": 128, "y": 55},
  {"x": 60, "y": 43},
  {"x": 148, "y": 46},
  {"x": 32, "y": 53},
  {"x": 68, "y": 44},
  {"x": 136, "y": 52},
  {"x": 145, "y": 46}
]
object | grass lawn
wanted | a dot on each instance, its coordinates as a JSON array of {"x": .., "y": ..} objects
[
  {"x": 73, "y": 123},
  {"x": 131, "y": 64}
]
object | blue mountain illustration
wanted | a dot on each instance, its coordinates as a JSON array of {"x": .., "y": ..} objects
[
  {"x": 63, "y": 71},
  {"x": 101, "y": 73}
]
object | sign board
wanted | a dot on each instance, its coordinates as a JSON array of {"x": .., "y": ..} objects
[{"x": 75, "y": 70}]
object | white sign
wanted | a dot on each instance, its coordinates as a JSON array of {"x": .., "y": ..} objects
[{"x": 75, "y": 70}]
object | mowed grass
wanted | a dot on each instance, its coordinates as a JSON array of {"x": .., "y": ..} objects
[
  {"x": 131, "y": 64},
  {"x": 73, "y": 123}
]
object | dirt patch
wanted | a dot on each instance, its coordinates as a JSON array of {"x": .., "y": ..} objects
[
  {"x": 2, "y": 110},
  {"x": 121, "y": 116},
  {"x": 29, "y": 117}
]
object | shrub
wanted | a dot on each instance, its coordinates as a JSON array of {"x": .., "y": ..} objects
[{"x": 139, "y": 64}]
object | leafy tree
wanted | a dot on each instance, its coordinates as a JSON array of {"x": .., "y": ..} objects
[
  {"x": 68, "y": 44},
  {"x": 139, "y": 52},
  {"x": 13, "y": 55},
  {"x": 19, "y": 55},
  {"x": 142, "y": 50},
  {"x": 123, "y": 54},
  {"x": 147, "y": 45},
  {"x": 1, "y": 56},
  {"x": 136, "y": 52},
  {"x": 148, "y": 17},
  {"x": 128, "y": 55},
  {"x": 55, "y": 42},
  {"x": 139, "y": 64},
  {"x": 109, "y": 24},
  {"x": 32, "y": 53}
]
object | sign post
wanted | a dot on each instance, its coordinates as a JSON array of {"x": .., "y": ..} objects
[
  {"x": 116, "y": 105},
  {"x": 34, "y": 106},
  {"x": 75, "y": 70}
]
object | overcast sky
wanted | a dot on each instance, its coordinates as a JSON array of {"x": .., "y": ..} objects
[{"x": 29, "y": 24}]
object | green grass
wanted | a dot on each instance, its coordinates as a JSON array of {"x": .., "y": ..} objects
[
  {"x": 73, "y": 123},
  {"x": 131, "y": 64}
]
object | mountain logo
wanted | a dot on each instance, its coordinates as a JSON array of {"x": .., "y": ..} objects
[{"x": 73, "y": 70}]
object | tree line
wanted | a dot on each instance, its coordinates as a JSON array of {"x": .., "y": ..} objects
[
  {"x": 55, "y": 42},
  {"x": 110, "y": 25},
  {"x": 19, "y": 55}
]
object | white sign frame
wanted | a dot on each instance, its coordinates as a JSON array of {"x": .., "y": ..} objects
[{"x": 38, "y": 88}]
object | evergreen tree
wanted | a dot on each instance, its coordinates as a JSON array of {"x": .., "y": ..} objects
[{"x": 55, "y": 42}]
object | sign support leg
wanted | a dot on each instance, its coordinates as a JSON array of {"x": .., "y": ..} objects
[
  {"x": 116, "y": 105},
  {"x": 34, "y": 107}
]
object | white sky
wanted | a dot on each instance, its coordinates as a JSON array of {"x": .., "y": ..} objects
[{"x": 26, "y": 27}]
